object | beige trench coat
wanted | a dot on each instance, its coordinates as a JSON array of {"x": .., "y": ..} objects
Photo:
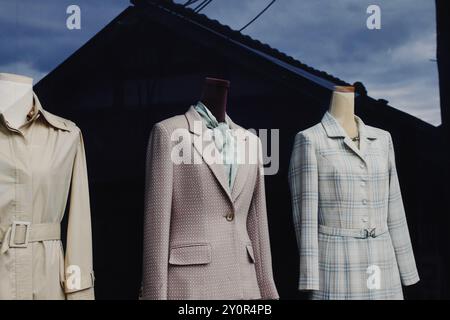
[
  {"x": 202, "y": 240},
  {"x": 42, "y": 166}
]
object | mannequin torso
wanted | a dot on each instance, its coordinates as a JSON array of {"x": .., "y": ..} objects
[
  {"x": 342, "y": 108},
  {"x": 16, "y": 98},
  {"x": 214, "y": 97}
]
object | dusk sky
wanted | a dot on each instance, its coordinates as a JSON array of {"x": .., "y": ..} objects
[{"x": 396, "y": 63}]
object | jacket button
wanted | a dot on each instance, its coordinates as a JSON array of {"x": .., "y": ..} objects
[
  {"x": 362, "y": 166},
  {"x": 230, "y": 216},
  {"x": 364, "y": 201}
]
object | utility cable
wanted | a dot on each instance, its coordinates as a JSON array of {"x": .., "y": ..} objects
[
  {"x": 202, "y": 5},
  {"x": 259, "y": 14}
]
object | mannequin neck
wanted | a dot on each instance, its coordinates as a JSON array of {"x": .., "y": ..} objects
[
  {"x": 342, "y": 108},
  {"x": 16, "y": 100},
  {"x": 215, "y": 96}
]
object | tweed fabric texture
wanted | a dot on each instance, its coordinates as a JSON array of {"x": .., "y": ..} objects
[{"x": 201, "y": 239}]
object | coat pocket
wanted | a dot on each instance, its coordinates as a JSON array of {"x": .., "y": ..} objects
[
  {"x": 251, "y": 255},
  {"x": 190, "y": 254}
]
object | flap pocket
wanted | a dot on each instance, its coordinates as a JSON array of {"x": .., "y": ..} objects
[
  {"x": 250, "y": 253},
  {"x": 190, "y": 254}
]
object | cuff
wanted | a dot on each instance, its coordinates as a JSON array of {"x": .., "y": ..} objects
[
  {"x": 410, "y": 280},
  {"x": 75, "y": 283},
  {"x": 308, "y": 284},
  {"x": 86, "y": 294},
  {"x": 270, "y": 292}
]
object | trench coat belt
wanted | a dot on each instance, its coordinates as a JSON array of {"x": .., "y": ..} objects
[
  {"x": 353, "y": 233},
  {"x": 20, "y": 233}
]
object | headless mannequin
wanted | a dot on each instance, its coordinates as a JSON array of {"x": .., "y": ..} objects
[
  {"x": 16, "y": 99},
  {"x": 342, "y": 108},
  {"x": 214, "y": 97}
]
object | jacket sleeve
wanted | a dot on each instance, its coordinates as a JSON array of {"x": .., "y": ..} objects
[
  {"x": 398, "y": 227},
  {"x": 258, "y": 229},
  {"x": 79, "y": 274},
  {"x": 303, "y": 181},
  {"x": 158, "y": 206}
]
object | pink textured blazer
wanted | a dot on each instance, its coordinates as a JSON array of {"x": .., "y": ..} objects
[{"x": 201, "y": 240}]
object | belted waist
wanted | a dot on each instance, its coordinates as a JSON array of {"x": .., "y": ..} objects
[
  {"x": 20, "y": 233},
  {"x": 353, "y": 233}
]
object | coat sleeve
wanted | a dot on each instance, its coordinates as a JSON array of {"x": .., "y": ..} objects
[
  {"x": 79, "y": 274},
  {"x": 398, "y": 227},
  {"x": 258, "y": 230},
  {"x": 303, "y": 181},
  {"x": 157, "y": 215}
]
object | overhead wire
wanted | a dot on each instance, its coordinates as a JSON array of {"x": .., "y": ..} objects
[
  {"x": 258, "y": 15},
  {"x": 202, "y": 5},
  {"x": 189, "y": 2}
]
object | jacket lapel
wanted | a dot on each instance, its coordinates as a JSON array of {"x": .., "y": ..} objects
[
  {"x": 334, "y": 130},
  {"x": 350, "y": 144},
  {"x": 367, "y": 135},
  {"x": 242, "y": 166},
  {"x": 198, "y": 128}
]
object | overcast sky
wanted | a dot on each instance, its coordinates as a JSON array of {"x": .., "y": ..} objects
[{"x": 395, "y": 63}]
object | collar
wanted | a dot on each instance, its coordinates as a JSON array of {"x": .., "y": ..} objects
[
  {"x": 51, "y": 119},
  {"x": 37, "y": 111},
  {"x": 334, "y": 129},
  {"x": 192, "y": 116}
]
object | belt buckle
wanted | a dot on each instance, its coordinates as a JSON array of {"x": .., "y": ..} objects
[
  {"x": 12, "y": 243},
  {"x": 370, "y": 233}
]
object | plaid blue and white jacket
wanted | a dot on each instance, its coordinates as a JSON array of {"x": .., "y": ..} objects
[{"x": 350, "y": 223}]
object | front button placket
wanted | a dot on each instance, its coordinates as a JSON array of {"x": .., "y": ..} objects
[
  {"x": 22, "y": 157},
  {"x": 365, "y": 220}
]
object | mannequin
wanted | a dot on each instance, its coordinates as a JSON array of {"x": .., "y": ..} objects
[
  {"x": 16, "y": 98},
  {"x": 214, "y": 97},
  {"x": 342, "y": 108}
]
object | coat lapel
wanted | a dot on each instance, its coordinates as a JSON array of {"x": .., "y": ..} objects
[
  {"x": 197, "y": 127},
  {"x": 335, "y": 130},
  {"x": 242, "y": 166},
  {"x": 366, "y": 135}
]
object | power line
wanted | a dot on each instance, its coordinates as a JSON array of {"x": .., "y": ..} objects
[
  {"x": 189, "y": 2},
  {"x": 202, "y": 5},
  {"x": 259, "y": 14},
  {"x": 198, "y": 6}
]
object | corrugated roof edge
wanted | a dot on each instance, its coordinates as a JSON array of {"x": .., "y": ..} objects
[
  {"x": 255, "y": 44},
  {"x": 237, "y": 36}
]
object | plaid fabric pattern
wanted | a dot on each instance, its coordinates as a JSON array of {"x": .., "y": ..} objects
[{"x": 338, "y": 185}]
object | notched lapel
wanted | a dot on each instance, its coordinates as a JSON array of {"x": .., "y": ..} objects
[
  {"x": 349, "y": 143},
  {"x": 242, "y": 172},
  {"x": 334, "y": 130},
  {"x": 197, "y": 129}
]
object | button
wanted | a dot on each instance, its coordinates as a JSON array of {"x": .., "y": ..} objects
[
  {"x": 363, "y": 183},
  {"x": 362, "y": 166},
  {"x": 230, "y": 216},
  {"x": 365, "y": 219},
  {"x": 364, "y": 201}
]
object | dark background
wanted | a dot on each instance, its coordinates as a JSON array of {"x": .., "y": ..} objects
[{"x": 150, "y": 64}]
